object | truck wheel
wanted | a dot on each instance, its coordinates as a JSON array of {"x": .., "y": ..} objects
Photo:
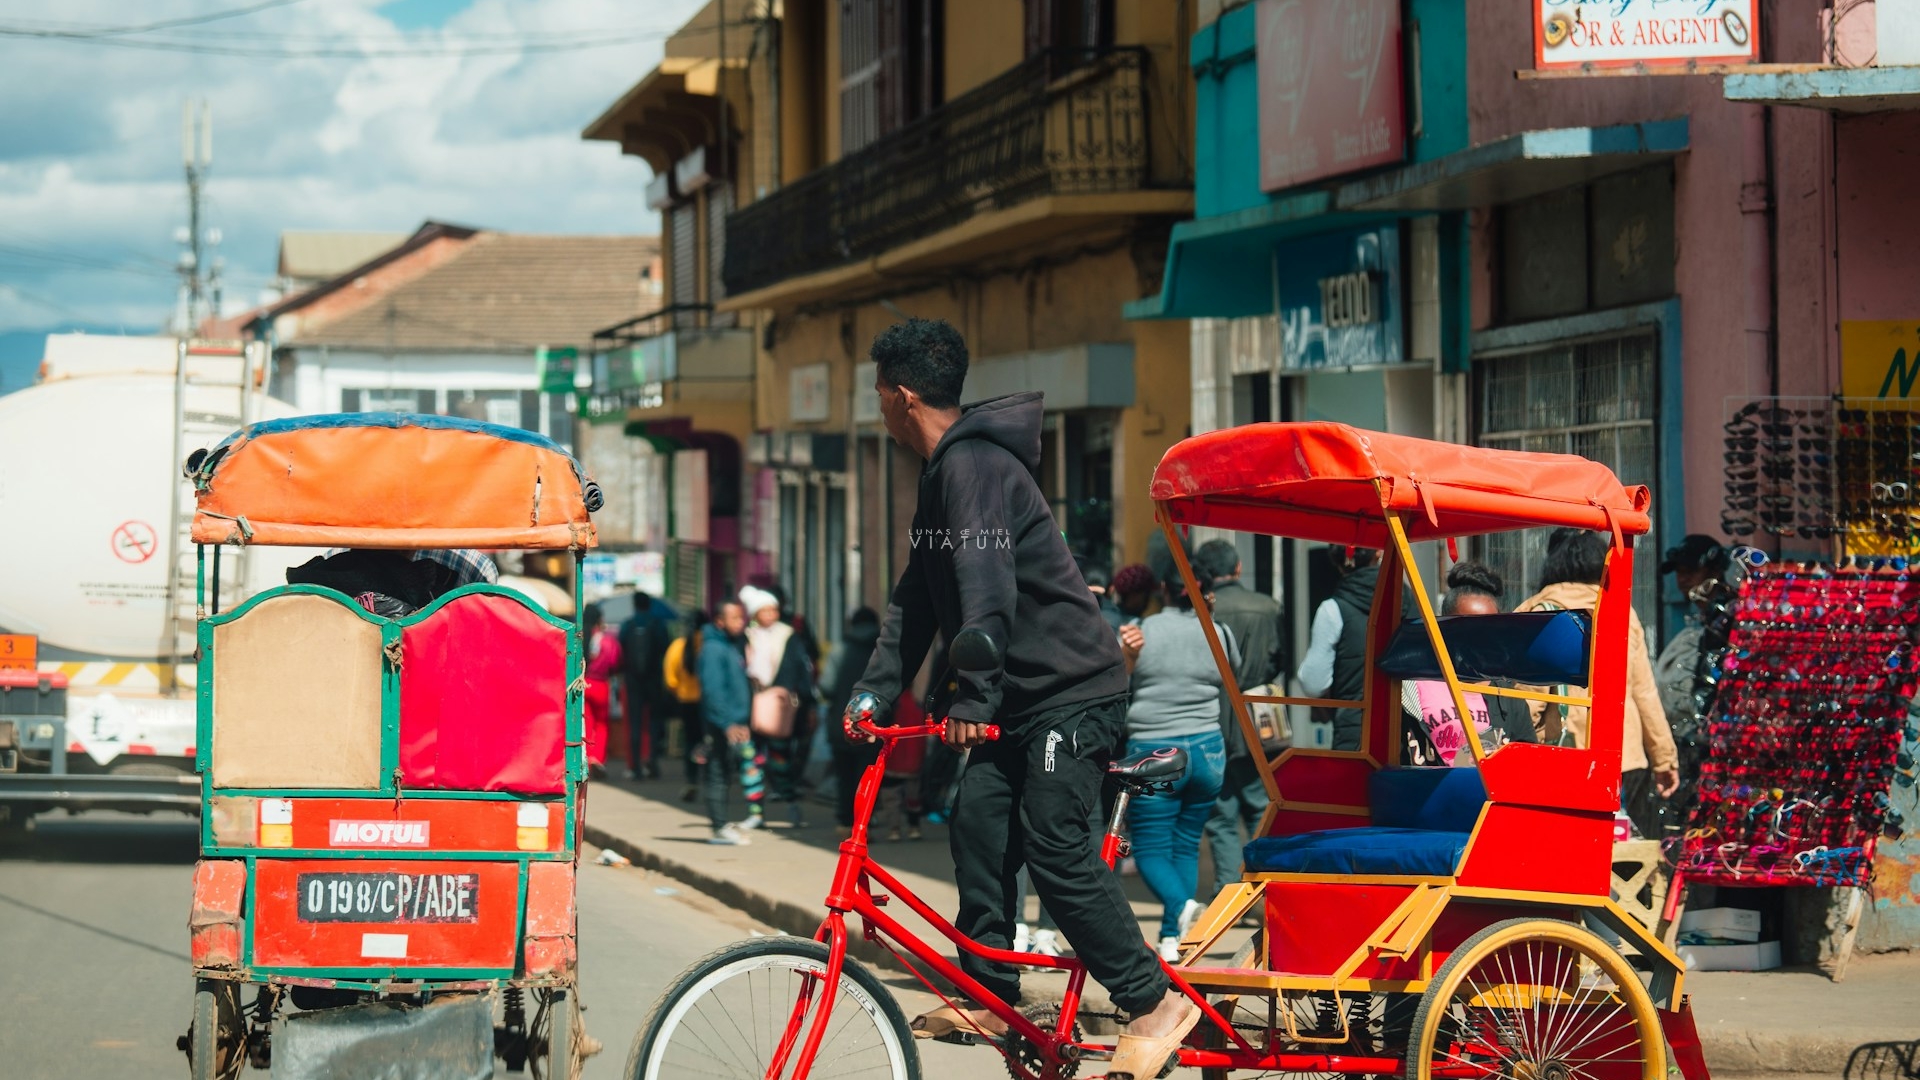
[{"x": 216, "y": 1041}]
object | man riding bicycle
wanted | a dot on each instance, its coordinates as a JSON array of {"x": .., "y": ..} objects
[{"x": 986, "y": 554}]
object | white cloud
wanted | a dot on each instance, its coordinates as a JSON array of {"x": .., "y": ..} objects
[{"x": 90, "y": 162}]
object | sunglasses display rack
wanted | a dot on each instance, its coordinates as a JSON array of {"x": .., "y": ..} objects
[
  {"x": 1824, "y": 469},
  {"x": 1809, "y": 727}
]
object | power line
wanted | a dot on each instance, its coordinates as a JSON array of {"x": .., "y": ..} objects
[
  {"x": 46, "y": 302},
  {"x": 352, "y": 48},
  {"x": 331, "y": 53},
  {"x": 78, "y": 32}
]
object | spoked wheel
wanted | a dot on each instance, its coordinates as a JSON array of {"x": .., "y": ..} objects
[
  {"x": 734, "y": 1012},
  {"x": 216, "y": 1043},
  {"x": 1536, "y": 999}
]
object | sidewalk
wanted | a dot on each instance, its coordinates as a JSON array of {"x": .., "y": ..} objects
[{"x": 1781, "y": 1023}]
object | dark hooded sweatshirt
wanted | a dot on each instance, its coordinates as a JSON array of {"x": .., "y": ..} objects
[{"x": 986, "y": 553}]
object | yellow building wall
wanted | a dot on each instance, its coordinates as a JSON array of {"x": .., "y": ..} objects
[
  {"x": 801, "y": 91},
  {"x": 1162, "y": 388},
  {"x": 983, "y": 39},
  {"x": 1164, "y": 28},
  {"x": 829, "y": 81},
  {"x": 1072, "y": 302}
]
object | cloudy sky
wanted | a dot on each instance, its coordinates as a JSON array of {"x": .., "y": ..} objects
[{"x": 478, "y": 127}]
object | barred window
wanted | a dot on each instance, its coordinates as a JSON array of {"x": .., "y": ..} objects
[{"x": 1594, "y": 398}]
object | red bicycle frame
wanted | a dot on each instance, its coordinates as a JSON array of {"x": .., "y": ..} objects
[{"x": 852, "y": 893}]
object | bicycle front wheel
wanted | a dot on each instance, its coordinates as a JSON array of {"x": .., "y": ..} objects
[{"x": 734, "y": 1012}]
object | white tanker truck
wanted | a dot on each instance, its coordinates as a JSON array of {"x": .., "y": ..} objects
[{"x": 96, "y": 572}]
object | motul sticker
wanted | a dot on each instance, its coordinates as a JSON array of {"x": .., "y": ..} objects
[{"x": 378, "y": 834}]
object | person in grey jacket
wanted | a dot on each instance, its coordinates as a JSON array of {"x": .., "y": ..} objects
[
  {"x": 1176, "y": 703},
  {"x": 726, "y": 704}
]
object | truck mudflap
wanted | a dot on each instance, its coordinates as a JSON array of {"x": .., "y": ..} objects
[
  {"x": 103, "y": 791},
  {"x": 449, "y": 1039}
]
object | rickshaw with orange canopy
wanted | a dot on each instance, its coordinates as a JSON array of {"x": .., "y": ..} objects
[
  {"x": 392, "y": 795},
  {"x": 1421, "y": 921}
]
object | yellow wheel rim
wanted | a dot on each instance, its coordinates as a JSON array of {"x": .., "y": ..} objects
[{"x": 1537, "y": 999}]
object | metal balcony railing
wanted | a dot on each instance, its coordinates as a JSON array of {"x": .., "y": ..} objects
[{"x": 1064, "y": 121}]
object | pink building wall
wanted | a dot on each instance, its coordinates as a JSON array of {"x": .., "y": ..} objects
[
  {"x": 1711, "y": 239},
  {"x": 1879, "y": 265}
]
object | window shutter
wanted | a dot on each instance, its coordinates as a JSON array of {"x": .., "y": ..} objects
[
  {"x": 685, "y": 269},
  {"x": 719, "y": 205},
  {"x": 859, "y": 73}
]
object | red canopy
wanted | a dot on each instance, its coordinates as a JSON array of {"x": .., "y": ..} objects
[{"x": 1332, "y": 483}]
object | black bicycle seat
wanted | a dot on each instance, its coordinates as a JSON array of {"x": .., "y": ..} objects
[{"x": 1149, "y": 769}]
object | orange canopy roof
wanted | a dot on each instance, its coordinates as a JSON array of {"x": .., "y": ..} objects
[
  {"x": 390, "y": 480},
  {"x": 1333, "y": 483}
]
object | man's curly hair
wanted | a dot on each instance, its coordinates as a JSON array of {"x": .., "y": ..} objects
[{"x": 926, "y": 356}]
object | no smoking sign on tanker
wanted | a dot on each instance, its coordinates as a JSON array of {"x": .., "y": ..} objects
[{"x": 1656, "y": 33}]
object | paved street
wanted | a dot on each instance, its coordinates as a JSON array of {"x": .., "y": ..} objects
[{"x": 94, "y": 976}]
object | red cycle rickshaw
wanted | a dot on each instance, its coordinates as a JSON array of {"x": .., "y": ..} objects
[
  {"x": 1425, "y": 922},
  {"x": 391, "y": 792}
]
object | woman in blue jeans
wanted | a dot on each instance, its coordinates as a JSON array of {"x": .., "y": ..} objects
[{"x": 1176, "y": 702}]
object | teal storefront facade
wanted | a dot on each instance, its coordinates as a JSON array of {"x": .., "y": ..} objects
[{"x": 1350, "y": 296}]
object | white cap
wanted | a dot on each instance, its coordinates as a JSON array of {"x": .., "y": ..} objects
[{"x": 756, "y": 599}]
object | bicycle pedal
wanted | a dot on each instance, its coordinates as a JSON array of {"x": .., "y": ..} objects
[{"x": 965, "y": 1037}]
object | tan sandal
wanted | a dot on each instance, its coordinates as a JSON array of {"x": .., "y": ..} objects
[
  {"x": 947, "y": 1022},
  {"x": 1143, "y": 1057}
]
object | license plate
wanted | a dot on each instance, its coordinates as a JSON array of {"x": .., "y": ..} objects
[{"x": 389, "y": 898}]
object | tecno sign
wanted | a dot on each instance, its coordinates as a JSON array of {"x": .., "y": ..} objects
[
  {"x": 378, "y": 834},
  {"x": 1619, "y": 33}
]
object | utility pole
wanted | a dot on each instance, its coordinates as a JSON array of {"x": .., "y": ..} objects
[{"x": 199, "y": 276}]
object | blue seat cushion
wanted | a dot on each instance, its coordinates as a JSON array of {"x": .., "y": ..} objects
[
  {"x": 1368, "y": 850},
  {"x": 1433, "y": 797}
]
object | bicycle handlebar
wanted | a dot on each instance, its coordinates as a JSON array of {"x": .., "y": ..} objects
[{"x": 937, "y": 730}]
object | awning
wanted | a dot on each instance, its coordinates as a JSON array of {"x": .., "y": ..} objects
[
  {"x": 1517, "y": 167},
  {"x": 1222, "y": 266},
  {"x": 1843, "y": 90}
]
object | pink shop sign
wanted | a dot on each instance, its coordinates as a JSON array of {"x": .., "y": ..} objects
[{"x": 1330, "y": 92}]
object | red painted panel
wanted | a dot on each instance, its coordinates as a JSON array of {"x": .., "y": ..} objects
[
  {"x": 282, "y": 939},
  {"x": 483, "y": 699},
  {"x": 1557, "y": 851},
  {"x": 1537, "y": 775},
  {"x": 550, "y": 933},
  {"x": 445, "y": 825},
  {"x": 1330, "y": 781},
  {"x": 1313, "y": 927},
  {"x": 219, "y": 887}
]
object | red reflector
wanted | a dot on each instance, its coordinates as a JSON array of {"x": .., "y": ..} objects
[
  {"x": 139, "y": 748},
  {"x": 76, "y": 748}
]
